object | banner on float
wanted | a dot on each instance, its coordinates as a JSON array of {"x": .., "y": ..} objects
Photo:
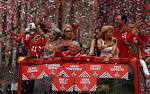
[
  {"x": 63, "y": 84},
  {"x": 40, "y": 71},
  {"x": 75, "y": 77},
  {"x": 94, "y": 70},
  {"x": 85, "y": 84},
  {"x": 74, "y": 70},
  {"x": 119, "y": 71},
  {"x": 32, "y": 72}
]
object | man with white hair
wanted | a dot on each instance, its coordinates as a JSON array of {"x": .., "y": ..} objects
[{"x": 74, "y": 50}]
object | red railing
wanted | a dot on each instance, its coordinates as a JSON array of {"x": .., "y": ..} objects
[{"x": 134, "y": 63}]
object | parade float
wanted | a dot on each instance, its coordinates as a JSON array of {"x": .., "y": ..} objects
[{"x": 82, "y": 74}]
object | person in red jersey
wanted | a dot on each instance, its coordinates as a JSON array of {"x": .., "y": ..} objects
[
  {"x": 36, "y": 43},
  {"x": 25, "y": 38},
  {"x": 134, "y": 42},
  {"x": 136, "y": 39},
  {"x": 122, "y": 28},
  {"x": 128, "y": 42},
  {"x": 28, "y": 42},
  {"x": 139, "y": 40},
  {"x": 36, "y": 46}
]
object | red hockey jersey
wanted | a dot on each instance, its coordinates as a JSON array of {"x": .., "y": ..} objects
[{"x": 36, "y": 46}]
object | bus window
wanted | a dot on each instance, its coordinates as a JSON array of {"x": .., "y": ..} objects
[{"x": 116, "y": 86}]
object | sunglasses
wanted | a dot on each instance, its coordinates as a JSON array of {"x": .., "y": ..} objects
[
  {"x": 68, "y": 30},
  {"x": 96, "y": 32}
]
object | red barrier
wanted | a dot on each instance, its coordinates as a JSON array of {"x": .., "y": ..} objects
[{"x": 79, "y": 60}]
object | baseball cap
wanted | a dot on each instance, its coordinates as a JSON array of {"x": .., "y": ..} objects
[{"x": 30, "y": 26}]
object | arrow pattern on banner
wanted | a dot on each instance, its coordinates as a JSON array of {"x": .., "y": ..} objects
[
  {"x": 63, "y": 74},
  {"x": 71, "y": 89},
  {"x": 76, "y": 88},
  {"x": 54, "y": 88},
  {"x": 84, "y": 74},
  {"x": 24, "y": 77},
  {"x": 105, "y": 75},
  {"x": 94, "y": 88},
  {"x": 126, "y": 76},
  {"x": 42, "y": 75}
]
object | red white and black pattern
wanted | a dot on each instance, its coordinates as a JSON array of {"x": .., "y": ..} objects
[
  {"x": 105, "y": 75},
  {"x": 84, "y": 74},
  {"x": 75, "y": 77}
]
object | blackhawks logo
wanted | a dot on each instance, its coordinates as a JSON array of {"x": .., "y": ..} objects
[
  {"x": 36, "y": 39},
  {"x": 133, "y": 49}
]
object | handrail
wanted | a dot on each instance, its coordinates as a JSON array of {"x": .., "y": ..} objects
[{"x": 82, "y": 59}]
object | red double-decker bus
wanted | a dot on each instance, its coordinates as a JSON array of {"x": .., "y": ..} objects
[{"x": 81, "y": 75}]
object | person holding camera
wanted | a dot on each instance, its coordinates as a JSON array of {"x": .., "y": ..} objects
[
  {"x": 107, "y": 43},
  {"x": 94, "y": 51}
]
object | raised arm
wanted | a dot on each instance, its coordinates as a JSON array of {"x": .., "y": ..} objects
[
  {"x": 91, "y": 52},
  {"x": 137, "y": 25},
  {"x": 41, "y": 32},
  {"x": 101, "y": 46},
  {"x": 143, "y": 37}
]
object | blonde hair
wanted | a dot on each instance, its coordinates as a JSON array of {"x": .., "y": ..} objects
[
  {"x": 65, "y": 27},
  {"x": 105, "y": 28}
]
